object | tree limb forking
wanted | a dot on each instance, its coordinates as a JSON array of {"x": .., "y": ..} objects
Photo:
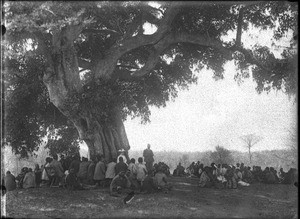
[
  {"x": 162, "y": 45},
  {"x": 105, "y": 67},
  {"x": 165, "y": 37}
]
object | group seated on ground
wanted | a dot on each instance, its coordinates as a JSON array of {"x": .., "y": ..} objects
[
  {"x": 230, "y": 176},
  {"x": 75, "y": 174}
]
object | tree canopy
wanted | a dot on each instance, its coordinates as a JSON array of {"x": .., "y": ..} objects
[{"x": 68, "y": 64}]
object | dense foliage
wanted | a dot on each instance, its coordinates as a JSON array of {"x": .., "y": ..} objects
[{"x": 131, "y": 88}]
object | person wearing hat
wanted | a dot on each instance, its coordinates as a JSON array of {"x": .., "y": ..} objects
[{"x": 122, "y": 154}]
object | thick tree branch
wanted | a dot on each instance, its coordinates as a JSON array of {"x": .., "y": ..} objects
[
  {"x": 239, "y": 27},
  {"x": 105, "y": 67},
  {"x": 162, "y": 45},
  {"x": 45, "y": 50}
]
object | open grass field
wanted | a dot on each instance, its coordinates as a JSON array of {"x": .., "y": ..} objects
[{"x": 186, "y": 200}]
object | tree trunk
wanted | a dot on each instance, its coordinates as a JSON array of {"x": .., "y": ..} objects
[
  {"x": 65, "y": 91},
  {"x": 250, "y": 156},
  {"x": 103, "y": 138}
]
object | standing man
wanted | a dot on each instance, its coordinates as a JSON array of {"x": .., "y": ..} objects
[{"x": 148, "y": 157}]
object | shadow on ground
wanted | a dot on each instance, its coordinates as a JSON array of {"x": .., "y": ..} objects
[{"x": 186, "y": 200}]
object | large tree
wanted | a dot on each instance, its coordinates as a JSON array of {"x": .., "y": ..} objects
[{"x": 85, "y": 67}]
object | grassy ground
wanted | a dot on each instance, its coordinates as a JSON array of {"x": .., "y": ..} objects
[{"x": 186, "y": 200}]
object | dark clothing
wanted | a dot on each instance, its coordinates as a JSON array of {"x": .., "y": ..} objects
[
  {"x": 148, "y": 158},
  {"x": 75, "y": 165},
  {"x": 121, "y": 166},
  {"x": 148, "y": 185},
  {"x": 64, "y": 164},
  {"x": 38, "y": 177},
  {"x": 83, "y": 170},
  {"x": 90, "y": 173},
  {"x": 10, "y": 182},
  {"x": 72, "y": 182},
  {"x": 118, "y": 184}
]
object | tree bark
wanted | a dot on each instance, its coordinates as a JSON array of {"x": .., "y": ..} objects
[
  {"x": 103, "y": 138},
  {"x": 65, "y": 90}
]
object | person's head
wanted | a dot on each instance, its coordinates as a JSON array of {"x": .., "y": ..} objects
[
  {"x": 121, "y": 159},
  {"x": 140, "y": 160},
  {"x": 55, "y": 157},
  {"x": 242, "y": 164},
  {"x": 238, "y": 165},
  {"x": 62, "y": 156},
  {"x": 219, "y": 165},
  {"x": 29, "y": 170},
  {"x": 24, "y": 169},
  {"x": 8, "y": 172},
  {"x": 132, "y": 160},
  {"x": 148, "y": 146}
]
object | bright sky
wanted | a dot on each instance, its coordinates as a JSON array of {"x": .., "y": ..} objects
[{"x": 215, "y": 113}]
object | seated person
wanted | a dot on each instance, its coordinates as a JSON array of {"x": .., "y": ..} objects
[
  {"x": 179, "y": 171},
  {"x": 10, "y": 181},
  {"x": 121, "y": 166},
  {"x": 204, "y": 180},
  {"x": 72, "y": 181},
  {"x": 83, "y": 170},
  {"x": 160, "y": 180},
  {"x": 148, "y": 185},
  {"x": 281, "y": 174},
  {"x": 141, "y": 171},
  {"x": 20, "y": 177},
  {"x": 119, "y": 184},
  {"x": 29, "y": 180},
  {"x": 231, "y": 177}
]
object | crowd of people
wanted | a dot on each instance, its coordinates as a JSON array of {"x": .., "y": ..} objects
[
  {"x": 78, "y": 174},
  {"x": 125, "y": 175},
  {"x": 230, "y": 176}
]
